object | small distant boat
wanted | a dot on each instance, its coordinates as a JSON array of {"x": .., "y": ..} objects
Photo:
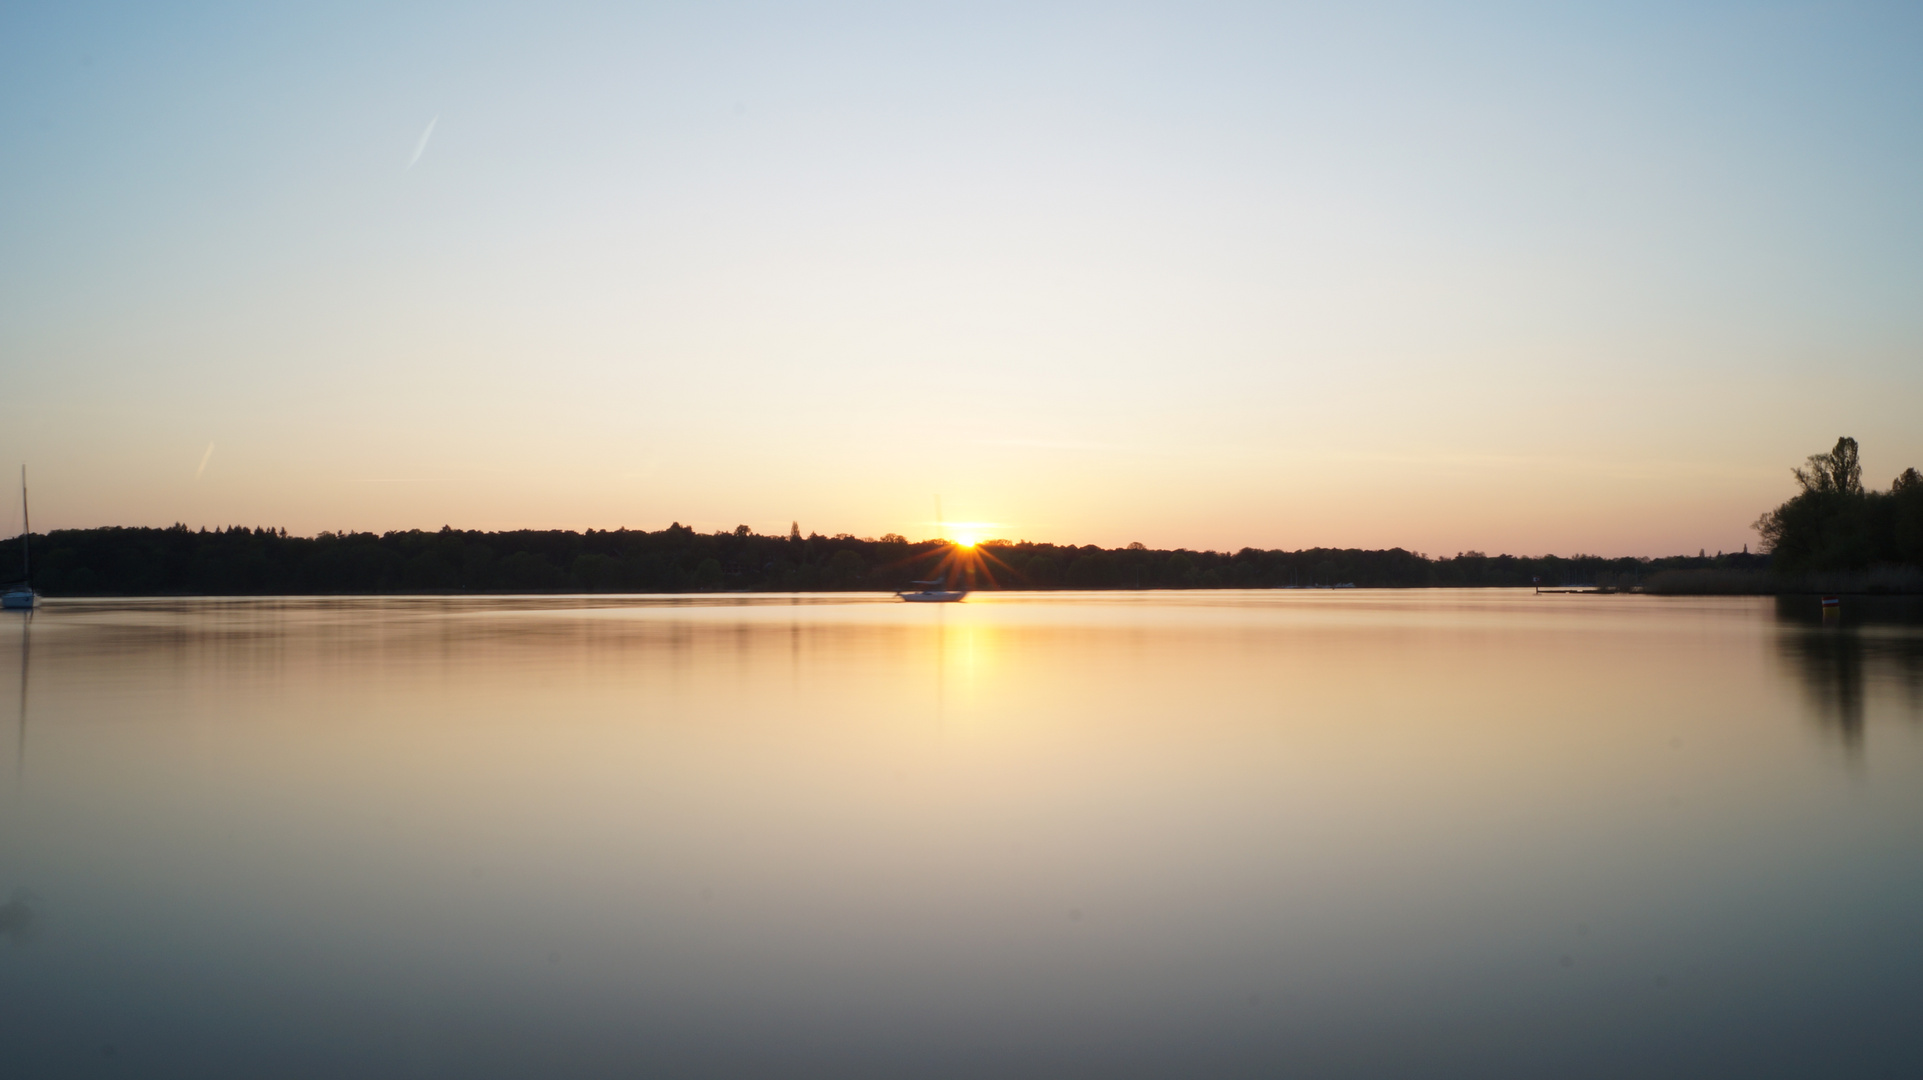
[
  {"x": 932, "y": 592},
  {"x": 21, "y": 597}
]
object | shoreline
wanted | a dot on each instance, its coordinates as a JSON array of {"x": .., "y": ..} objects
[{"x": 1684, "y": 583}]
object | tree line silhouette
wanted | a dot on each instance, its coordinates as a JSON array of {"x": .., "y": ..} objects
[
  {"x": 1835, "y": 524},
  {"x": 265, "y": 561}
]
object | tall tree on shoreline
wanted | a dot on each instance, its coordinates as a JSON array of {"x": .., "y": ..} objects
[
  {"x": 1840, "y": 470},
  {"x": 1834, "y": 524}
]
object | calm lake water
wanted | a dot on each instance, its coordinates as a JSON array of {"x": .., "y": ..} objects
[{"x": 1359, "y": 834}]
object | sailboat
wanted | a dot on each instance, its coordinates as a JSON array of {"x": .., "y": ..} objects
[
  {"x": 932, "y": 592},
  {"x": 21, "y": 597}
]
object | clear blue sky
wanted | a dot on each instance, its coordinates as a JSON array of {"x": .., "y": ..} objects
[{"x": 1492, "y": 276}]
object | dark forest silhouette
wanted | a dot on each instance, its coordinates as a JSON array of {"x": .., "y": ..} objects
[
  {"x": 262, "y": 561},
  {"x": 1834, "y": 524}
]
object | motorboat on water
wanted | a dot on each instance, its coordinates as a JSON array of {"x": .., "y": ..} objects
[
  {"x": 21, "y": 597},
  {"x": 933, "y": 592}
]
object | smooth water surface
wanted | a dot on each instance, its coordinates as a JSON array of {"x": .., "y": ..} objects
[{"x": 1367, "y": 834}]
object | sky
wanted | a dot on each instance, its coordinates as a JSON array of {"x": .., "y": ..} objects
[{"x": 1502, "y": 277}]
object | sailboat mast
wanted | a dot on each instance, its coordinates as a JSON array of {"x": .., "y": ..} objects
[{"x": 26, "y": 529}]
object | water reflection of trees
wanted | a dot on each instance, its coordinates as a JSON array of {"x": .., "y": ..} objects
[{"x": 1841, "y": 653}]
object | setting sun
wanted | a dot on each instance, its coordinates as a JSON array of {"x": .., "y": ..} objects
[{"x": 965, "y": 540}]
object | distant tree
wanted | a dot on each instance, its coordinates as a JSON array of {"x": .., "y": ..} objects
[
  {"x": 1833, "y": 524},
  {"x": 1179, "y": 571},
  {"x": 1093, "y": 569},
  {"x": 597, "y": 572},
  {"x": 708, "y": 575},
  {"x": 525, "y": 571},
  {"x": 1837, "y": 471},
  {"x": 844, "y": 570},
  {"x": 1906, "y": 525},
  {"x": 1043, "y": 571}
]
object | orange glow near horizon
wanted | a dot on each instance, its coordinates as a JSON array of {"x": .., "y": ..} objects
[{"x": 965, "y": 566}]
